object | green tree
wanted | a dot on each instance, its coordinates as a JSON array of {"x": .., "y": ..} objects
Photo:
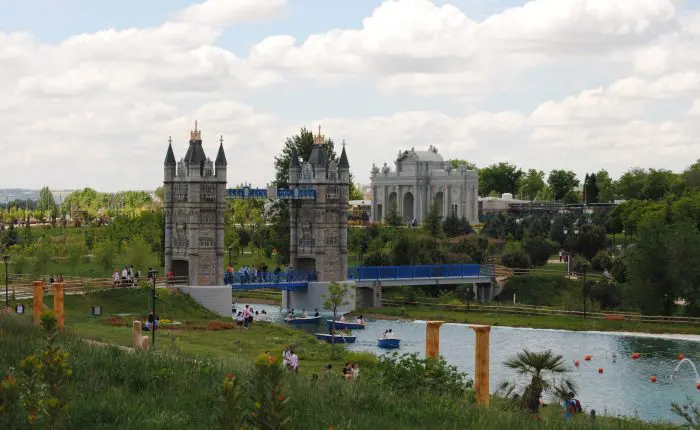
[
  {"x": 303, "y": 144},
  {"x": 606, "y": 187},
  {"x": 500, "y": 178},
  {"x": 104, "y": 255},
  {"x": 532, "y": 183},
  {"x": 562, "y": 182},
  {"x": 138, "y": 253},
  {"x": 456, "y": 163},
  {"x": 539, "y": 249},
  {"x": 335, "y": 297},
  {"x": 75, "y": 254},
  {"x": 590, "y": 240},
  {"x": 516, "y": 260},
  {"x": 691, "y": 175},
  {"x": 42, "y": 255},
  {"x": 160, "y": 193},
  {"x": 46, "y": 201},
  {"x": 543, "y": 368},
  {"x": 393, "y": 218},
  {"x": 590, "y": 189},
  {"x": 356, "y": 192},
  {"x": 658, "y": 183},
  {"x": 432, "y": 224},
  {"x": 631, "y": 183}
]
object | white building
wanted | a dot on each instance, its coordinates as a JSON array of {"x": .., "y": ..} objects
[{"x": 423, "y": 178}]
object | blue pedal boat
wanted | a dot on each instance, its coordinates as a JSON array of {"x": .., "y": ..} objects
[
  {"x": 300, "y": 320},
  {"x": 335, "y": 339},
  {"x": 388, "y": 343},
  {"x": 342, "y": 325}
]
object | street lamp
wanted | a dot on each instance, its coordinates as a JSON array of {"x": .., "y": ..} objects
[
  {"x": 230, "y": 260},
  {"x": 6, "y": 259},
  {"x": 568, "y": 260},
  {"x": 152, "y": 274}
]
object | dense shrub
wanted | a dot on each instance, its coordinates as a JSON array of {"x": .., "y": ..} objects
[
  {"x": 539, "y": 249},
  {"x": 409, "y": 372},
  {"x": 516, "y": 260},
  {"x": 602, "y": 261},
  {"x": 608, "y": 294}
]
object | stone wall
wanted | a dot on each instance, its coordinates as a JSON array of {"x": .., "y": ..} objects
[{"x": 217, "y": 299}]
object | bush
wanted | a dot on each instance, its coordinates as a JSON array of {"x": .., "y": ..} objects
[
  {"x": 516, "y": 260},
  {"x": 607, "y": 293},
  {"x": 539, "y": 249},
  {"x": 580, "y": 264},
  {"x": 602, "y": 261},
  {"x": 409, "y": 372}
]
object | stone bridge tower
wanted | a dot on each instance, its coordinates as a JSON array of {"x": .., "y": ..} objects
[
  {"x": 195, "y": 205},
  {"x": 319, "y": 228}
]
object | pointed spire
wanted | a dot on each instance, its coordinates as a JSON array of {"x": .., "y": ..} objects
[
  {"x": 170, "y": 156},
  {"x": 343, "y": 163},
  {"x": 294, "y": 159},
  {"x": 221, "y": 157}
]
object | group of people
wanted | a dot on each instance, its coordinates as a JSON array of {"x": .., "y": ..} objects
[
  {"x": 151, "y": 322},
  {"x": 249, "y": 274},
  {"x": 388, "y": 334},
  {"x": 304, "y": 314},
  {"x": 246, "y": 317},
  {"x": 128, "y": 277},
  {"x": 58, "y": 279}
]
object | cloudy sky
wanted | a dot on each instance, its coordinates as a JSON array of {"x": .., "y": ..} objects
[{"x": 90, "y": 91}]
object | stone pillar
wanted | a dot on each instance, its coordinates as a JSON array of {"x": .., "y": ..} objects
[
  {"x": 445, "y": 201},
  {"x": 136, "y": 333},
  {"x": 481, "y": 372},
  {"x": 58, "y": 305},
  {"x": 432, "y": 338},
  {"x": 38, "y": 302}
]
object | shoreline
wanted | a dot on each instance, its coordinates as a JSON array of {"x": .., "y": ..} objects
[{"x": 669, "y": 336}]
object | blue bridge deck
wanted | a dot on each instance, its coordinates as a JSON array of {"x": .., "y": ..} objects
[{"x": 296, "y": 280}]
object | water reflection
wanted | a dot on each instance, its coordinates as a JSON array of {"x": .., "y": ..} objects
[{"x": 624, "y": 388}]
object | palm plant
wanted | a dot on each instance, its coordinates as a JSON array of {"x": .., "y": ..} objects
[{"x": 541, "y": 368}]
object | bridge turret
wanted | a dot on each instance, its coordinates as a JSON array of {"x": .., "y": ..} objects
[{"x": 344, "y": 167}]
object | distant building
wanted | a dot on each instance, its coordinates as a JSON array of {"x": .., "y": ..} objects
[{"x": 421, "y": 179}]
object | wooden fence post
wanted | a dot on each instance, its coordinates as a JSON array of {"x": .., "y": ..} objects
[
  {"x": 432, "y": 338},
  {"x": 137, "y": 334},
  {"x": 481, "y": 372},
  {"x": 58, "y": 305},
  {"x": 38, "y": 300}
]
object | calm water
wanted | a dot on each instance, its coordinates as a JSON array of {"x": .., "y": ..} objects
[{"x": 624, "y": 387}]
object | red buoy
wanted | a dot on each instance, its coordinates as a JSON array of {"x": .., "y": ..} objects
[
  {"x": 588, "y": 357},
  {"x": 680, "y": 356},
  {"x": 653, "y": 379},
  {"x": 697, "y": 385},
  {"x": 635, "y": 355},
  {"x": 600, "y": 370},
  {"x": 576, "y": 363}
]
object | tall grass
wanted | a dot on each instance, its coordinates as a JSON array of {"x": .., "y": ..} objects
[{"x": 113, "y": 388}]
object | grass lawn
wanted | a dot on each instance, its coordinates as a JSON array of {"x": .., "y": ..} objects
[
  {"x": 533, "y": 321},
  {"x": 192, "y": 339}
]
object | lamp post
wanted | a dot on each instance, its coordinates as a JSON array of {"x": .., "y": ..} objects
[
  {"x": 230, "y": 260},
  {"x": 6, "y": 259},
  {"x": 152, "y": 274},
  {"x": 568, "y": 260}
]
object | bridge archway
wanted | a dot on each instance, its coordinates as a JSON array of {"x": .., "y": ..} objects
[
  {"x": 408, "y": 213},
  {"x": 305, "y": 264},
  {"x": 181, "y": 268}
]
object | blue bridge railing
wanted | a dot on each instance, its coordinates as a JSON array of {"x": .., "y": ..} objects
[
  {"x": 420, "y": 272},
  {"x": 286, "y": 280}
]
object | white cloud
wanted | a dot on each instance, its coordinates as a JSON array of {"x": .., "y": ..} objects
[
  {"x": 222, "y": 13},
  {"x": 97, "y": 108}
]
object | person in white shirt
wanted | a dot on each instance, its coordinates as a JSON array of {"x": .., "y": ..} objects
[
  {"x": 390, "y": 334},
  {"x": 115, "y": 277},
  {"x": 304, "y": 314},
  {"x": 125, "y": 274},
  {"x": 342, "y": 318},
  {"x": 294, "y": 362}
]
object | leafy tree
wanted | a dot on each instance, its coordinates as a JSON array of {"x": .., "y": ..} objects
[
  {"x": 590, "y": 240},
  {"x": 454, "y": 226},
  {"x": 532, "y": 183},
  {"x": 606, "y": 187},
  {"x": 500, "y": 178},
  {"x": 556, "y": 230},
  {"x": 160, "y": 193},
  {"x": 432, "y": 224},
  {"x": 539, "y": 249},
  {"x": 356, "y": 192},
  {"x": 75, "y": 254},
  {"x": 687, "y": 208},
  {"x": 691, "y": 175},
  {"x": 46, "y": 200},
  {"x": 393, "y": 218},
  {"x": 516, "y": 260},
  {"x": 334, "y": 298},
  {"x": 580, "y": 264},
  {"x": 607, "y": 293},
  {"x": 104, "y": 255},
  {"x": 303, "y": 144},
  {"x": 494, "y": 228},
  {"x": 602, "y": 261},
  {"x": 658, "y": 183},
  {"x": 631, "y": 183},
  {"x": 42, "y": 254},
  {"x": 590, "y": 189},
  {"x": 11, "y": 237},
  {"x": 138, "y": 253},
  {"x": 457, "y": 162},
  {"x": 562, "y": 182},
  {"x": 539, "y": 367}
]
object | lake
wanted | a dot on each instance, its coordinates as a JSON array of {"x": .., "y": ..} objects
[{"x": 624, "y": 387}]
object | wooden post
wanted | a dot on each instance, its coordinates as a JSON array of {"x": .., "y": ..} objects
[
  {"x": 137, "y": 334},
  {"x": 432, "y": 338},
  {"x": 58, "y": 305},
  {"x": 481, "y": 373},
  {"x": 38, "y": 302}
]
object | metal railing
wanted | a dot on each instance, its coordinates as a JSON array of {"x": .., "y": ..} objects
[
  {"x": 421, "y": 271},
  {"x": 267, "y": 278}
]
